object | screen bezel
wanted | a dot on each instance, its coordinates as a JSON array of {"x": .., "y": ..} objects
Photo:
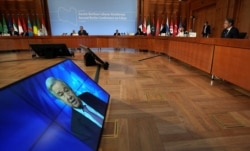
[{"x": 52, "y": 48}]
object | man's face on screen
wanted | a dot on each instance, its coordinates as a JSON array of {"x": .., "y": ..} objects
[{"x": 65, "y": 94}]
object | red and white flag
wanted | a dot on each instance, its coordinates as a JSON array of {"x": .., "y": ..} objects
[
  {"x": 20, "y": 27},
  {"x": 157, "y": 27},
  {"x": 175, "y": 28},
  {"x": 144, "y": 26},
  {"x": 171, "y": 27}
]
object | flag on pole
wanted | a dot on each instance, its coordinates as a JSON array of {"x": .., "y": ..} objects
[
  {"x": 30, "y": 31},
  {"x": 35, "y": 30},
  {"x": 184, "y": 23},
  {"x": 162, "y": 23},
  {"x": 167, "y": 27},
  {"x": 45, "y": 33},
  {"x": 38, "y": 23},
  {"x": 140, "y": 24},
  {"x": 157, "y": 27},
  {"x": 39, "y": 27},
  {"x": 175, "y": 28},
  {"x": 1, "y": 28},
  {"x": 144, "y": 27},
  {"x": 20, "y": 28},
  {"x": 152, "y": 26},
  {"x": 10, "y": 25},
  {"x": 171, "y": 26},
  {"x": 24, "y": 25},
  {"x": 148, "y": 27},
  {"x": 5, "y": 27},
  {"x": 14, "y": 24},
  {"x": 180, "y": 24}
]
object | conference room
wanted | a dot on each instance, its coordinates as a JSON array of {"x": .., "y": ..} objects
[{"x": 127, "y": 75}]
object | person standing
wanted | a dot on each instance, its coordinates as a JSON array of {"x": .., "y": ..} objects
[
  {"x": 229, "y": 30},
  {"x": 206, "y": 31}
]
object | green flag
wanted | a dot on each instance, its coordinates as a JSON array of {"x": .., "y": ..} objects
[
  {"x": 5, "y": 27},
  {"x": 1, "y": 27},
  {"x": 38, "y": 23}
]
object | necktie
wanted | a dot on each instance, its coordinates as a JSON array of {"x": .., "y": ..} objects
[
  {"x": 93, "y": 115},
  {"x": 226, "y": 32}
]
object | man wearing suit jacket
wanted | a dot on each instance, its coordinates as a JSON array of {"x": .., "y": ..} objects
[
  {"x": 82, "y": 32},
  {"x": 117, "y": 33},
  {"x": 206, "y": 31},
  {"x": 87, "y": 111},
  {"x": 229, "y": 30},
  {"x": 86, "y": 131},
  {"x": 12, "y": 32}
]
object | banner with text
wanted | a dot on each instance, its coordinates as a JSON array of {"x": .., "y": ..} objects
[{"x": 98, "y": 17}]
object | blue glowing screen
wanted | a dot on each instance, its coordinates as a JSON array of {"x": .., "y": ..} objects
[{"x": 33, "y": 118}]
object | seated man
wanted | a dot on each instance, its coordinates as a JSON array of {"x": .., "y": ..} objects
[
  {"x": 25, "y": 33},
  {"x": 73, "y": 33},
  {"x": 139, "y": 32},
  {"x": 117, "y": 33},
  {"x": 12, "y": 32},
  {"x": 82, "y": 31},
  {"x": 229, "y": 30}
]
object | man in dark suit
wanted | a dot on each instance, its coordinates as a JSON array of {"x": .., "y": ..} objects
[
  {"x": 82, "y": 32},
  {"x": 117, "y": 33},
  {"x": 139, "y": 32},
  {"x": 86, "y": 131},
  {"x": 25, "y": 33},
  {"x": 163, "y": 30},
  {"x": 229, "y": 30},
  {"x": 12, "y": 32},
  {"x": 206, "y": 31},
  {"x": 87, "y": 111}
]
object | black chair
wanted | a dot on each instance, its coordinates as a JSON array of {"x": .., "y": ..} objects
[{"x": 242, "y": 35}]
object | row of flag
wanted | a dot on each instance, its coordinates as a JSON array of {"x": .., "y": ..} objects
[
  {"x": 149, "y": 27},
  {"x": 22, "y": 25}
]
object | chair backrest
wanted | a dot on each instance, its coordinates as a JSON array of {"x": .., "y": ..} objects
[{"x": 242, "y": 35}]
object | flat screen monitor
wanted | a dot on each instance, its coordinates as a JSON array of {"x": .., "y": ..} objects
[
  {"x": 50, "y": 50},
  {"x": 59, "y": 108}
]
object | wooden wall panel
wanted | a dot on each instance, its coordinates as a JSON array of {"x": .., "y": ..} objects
[
  {"x": 163, "y": 9},
  {"x": 243, "y": 21},
  {"x": 227, "y": 58},
  {"x": 232, "y": 64},
  {"x": 215, "y": 11},
  {"x": 195, "y": 54},
  {"x": 25, "y": 7},
  {"x": 203, "y": 15}
]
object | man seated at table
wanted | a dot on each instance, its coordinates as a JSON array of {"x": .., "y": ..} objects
[
  {"x": 73, "y": 33},
  {"x": 139, "y": 32},
  {"x": 117, "y": 33},
  {"x": 82, "y": 31},
  {"x": 229, "y": 30},
  {"x": 25, "y": 33},
  {"x": 12, "y": 32}
]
